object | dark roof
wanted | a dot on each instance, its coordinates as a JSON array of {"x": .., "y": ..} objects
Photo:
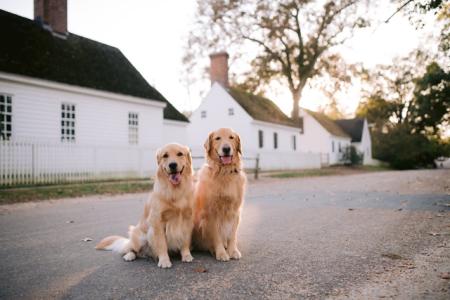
[
  {"x": 353, "y": 127},
  {"x": 29, "y": 50},
  {"x": 260, "y": 108},
  {"x": 327, "y": 123}
]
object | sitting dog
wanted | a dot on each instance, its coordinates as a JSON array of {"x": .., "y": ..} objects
[
  {"x": 219, "y": 194},
  {"x": 167, "y": 221}
]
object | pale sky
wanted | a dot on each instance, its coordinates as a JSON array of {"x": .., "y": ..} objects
[{"x": 151, "y": 34}]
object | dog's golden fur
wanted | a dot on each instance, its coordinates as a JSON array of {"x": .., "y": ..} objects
[
  {"x": 167, "y": 221},
  {"x": 219, "y": 194}
]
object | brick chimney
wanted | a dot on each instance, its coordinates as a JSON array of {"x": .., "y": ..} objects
[
  {"x": 52, "y": 14},
  {"x": 219, "y": 68}
]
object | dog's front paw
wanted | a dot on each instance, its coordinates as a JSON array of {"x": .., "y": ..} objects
[
  {"x": 187, "y": 258},
  {"x": 223, "y": 256},
  {"x": 234, "y": 253},
  {"x": 164, "y": 263},
  {"x": 129, "y": 256}
]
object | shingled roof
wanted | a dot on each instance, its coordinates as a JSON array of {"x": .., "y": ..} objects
[
  {"x": 353, "y": 127},
  {"x": 29, "y": 50},
  {"x": 327, "y": 123},
  {"x": 260, "y": 108}
]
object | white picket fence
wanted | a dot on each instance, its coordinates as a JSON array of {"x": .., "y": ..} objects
[{"x": 29, "y": 162}]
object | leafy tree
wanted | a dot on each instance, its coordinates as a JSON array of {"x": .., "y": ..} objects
[
  {"x": 414, "y": 9},
  {"x": 431, "y": 107},
  {"x": 408, "y": 107},
  {"x": 293, "y": 39}
]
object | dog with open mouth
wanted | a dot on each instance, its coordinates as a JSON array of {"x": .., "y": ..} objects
[
  {"x": 167, "y": 221},
  {"x": 219, "y": 194}
]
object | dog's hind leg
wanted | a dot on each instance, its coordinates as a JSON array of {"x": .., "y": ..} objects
[{"x": 135, "y": 243}]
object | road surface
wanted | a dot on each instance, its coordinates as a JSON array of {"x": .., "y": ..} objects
[{"x": 318, "y": 238}]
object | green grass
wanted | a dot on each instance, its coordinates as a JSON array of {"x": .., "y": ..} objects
[
  {"x": 34, "y": 194},
  {"x": 374, "y": 168},
  {"x": 392, "y": 255},
  {"x": 303, "y": 174},
  {"x": 68, "y": 183}
]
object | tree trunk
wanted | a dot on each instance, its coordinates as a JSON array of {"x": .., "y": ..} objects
[{"x": 296, "y": 96}]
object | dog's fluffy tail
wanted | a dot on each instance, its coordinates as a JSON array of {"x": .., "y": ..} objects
[{"x": 115, "y": 243}]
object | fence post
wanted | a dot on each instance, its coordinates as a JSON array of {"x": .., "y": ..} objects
[{"x": 257, "y": 166}]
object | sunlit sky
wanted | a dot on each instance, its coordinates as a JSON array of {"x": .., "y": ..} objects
[{"x": 151, "y": 34}]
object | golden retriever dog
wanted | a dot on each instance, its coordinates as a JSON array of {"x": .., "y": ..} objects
[
  {"x": 219, "y": 194},
  {"x": 167, "y": 221}
]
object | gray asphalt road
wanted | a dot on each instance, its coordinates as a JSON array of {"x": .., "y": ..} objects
[{"x": 299, "y": 238}]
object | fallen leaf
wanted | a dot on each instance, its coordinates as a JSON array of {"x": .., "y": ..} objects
[
  {"x": 86, "y": 240},
  {"x": 376, "y": 199},
  {"x": 398, "y": 209},
  {"x": 351, "y": 209},
  {"x": 447, "y": 204},
  {"x": 433, "y": 233},
  {"x": 405, "y": 204},
  {"x": 69, "y": 222},
  {"x": 200, "y": 270},
  {"x": 445, "y": 276},
  {"x": 439, "y": 215},
  {"x": 440, "y": 210}
]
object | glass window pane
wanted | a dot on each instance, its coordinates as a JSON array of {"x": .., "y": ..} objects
[
  {"x": 2, "y": 99},
  {"x": 9, "y": 108},
  {"x": 73, "y": 107},
  {"x": 9, "y": 100},
  {"x": 62, "y": 106}
]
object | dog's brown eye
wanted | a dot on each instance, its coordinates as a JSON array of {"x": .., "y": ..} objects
[
  {"x": 231, "y": 137},
  {"x": 165, "y": 155},
  {"x": 180, "y": 154},
  {"x": 217, "y": 138}
]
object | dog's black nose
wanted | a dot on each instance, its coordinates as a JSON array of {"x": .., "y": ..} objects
[
  {"x": 173, "y": 165},
  {"x": 226, "y": 149}
]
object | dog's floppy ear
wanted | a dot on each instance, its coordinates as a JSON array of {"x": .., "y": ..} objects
[
  {"x": 158, "y": 156},
  {"x": 239, "y": 144},
  {"x": 207, "y": 144},
  {"x": 188, "y": 154}
]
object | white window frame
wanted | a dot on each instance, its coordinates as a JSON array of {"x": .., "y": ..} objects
[
  {"x": 133, "y": 128},
  {"x": 68, "y": 121},
  {"x": 5, "y": 102}
]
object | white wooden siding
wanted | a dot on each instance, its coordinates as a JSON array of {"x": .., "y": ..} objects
[
  {"x": 175, "y": 132},
  {"x": 37, "y": 114},
  {"x": 217, "y": 104}
]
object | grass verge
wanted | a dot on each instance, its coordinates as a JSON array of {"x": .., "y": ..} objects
[
  {"x": 303, "y": 174},
  {"x": 17, "y": 196},
  {"x": 392, "y": 255},
  {"x": 373, "y": 168}
]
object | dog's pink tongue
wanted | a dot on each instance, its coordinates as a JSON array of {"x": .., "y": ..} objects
[
  {"x": 175, "y": 178},
  {"x": 225, "y": 159}
]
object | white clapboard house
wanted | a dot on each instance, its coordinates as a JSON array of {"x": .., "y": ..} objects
[
  {"x": 358, "y": 130},
  {"x": 322, "y": 135},
  {"x": 72, "y": 108},
  {"x": 264, "y": 129}
]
